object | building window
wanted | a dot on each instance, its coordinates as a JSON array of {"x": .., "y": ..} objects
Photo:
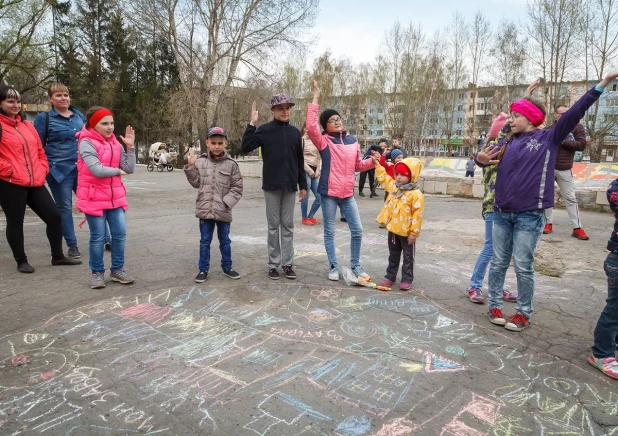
[
  {"x": 433, "y": 120},
  {"x": 433, "y": 132},
  {"x": 612, "y": 102},
  {"x": 458, "y": 132},
  {"x": 380, "y": 110},
  {"x": 380, "y": 133},
  {"x": 380, "y": 122},
  {"x": 462, "y": 95},
  {"x": 459, "y": 120},
  {"x": 614, "y": 87},
  {"x": 471, "y": 107},
  {"x": 372, "y": 111},
  {"x": 610, "y": 117},
  {"x": 459, "y": 107}
]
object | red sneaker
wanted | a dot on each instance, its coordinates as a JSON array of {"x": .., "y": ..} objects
[
  {"x": 580, "y": 234},
  {"x": 314, "y": 221},
  {"x": 517, "y": 323},
  {"x": 308, "y": 222},
  {"x": 547, "y": 229},
  {"x": 496, "y": 316}
]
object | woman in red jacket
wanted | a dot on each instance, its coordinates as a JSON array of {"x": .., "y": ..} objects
[{"x": 23, "y": 167}]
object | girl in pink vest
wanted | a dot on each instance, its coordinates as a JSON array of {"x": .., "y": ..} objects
[{"x": 101, "y": 195}]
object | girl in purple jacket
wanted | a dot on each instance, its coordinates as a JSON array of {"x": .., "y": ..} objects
[{"x": 524, "y": 188}]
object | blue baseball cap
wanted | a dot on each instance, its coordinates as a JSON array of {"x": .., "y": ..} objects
[{"x": 216, "y": 131}]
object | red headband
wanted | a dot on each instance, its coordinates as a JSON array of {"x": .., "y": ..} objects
[
  {"x": 98, "y": 116},
  {"x": 528, "y": 110}
]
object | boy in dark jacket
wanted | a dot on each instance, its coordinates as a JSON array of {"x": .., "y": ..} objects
[{"x": 219, "y": 181}]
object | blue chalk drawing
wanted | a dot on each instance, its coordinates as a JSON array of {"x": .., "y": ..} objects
[{"x": 354, "y": 426}]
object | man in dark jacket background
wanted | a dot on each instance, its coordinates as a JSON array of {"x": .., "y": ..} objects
[
  {"x": 283, "y": 170},
  {"x": 563, "y": 175}
]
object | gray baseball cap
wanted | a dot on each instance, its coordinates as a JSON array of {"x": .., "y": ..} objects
[{"x": 280, "y": 99}]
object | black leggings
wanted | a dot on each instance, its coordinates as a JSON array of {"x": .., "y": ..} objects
[
  {"x": 13, "y": 200},
  {"x": 363, "y": 178}
]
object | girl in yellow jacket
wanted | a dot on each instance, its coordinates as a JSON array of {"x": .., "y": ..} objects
[{"x": 402, "y": 216}]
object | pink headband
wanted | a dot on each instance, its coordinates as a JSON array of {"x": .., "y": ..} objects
[{"x": 528, "y": 110}]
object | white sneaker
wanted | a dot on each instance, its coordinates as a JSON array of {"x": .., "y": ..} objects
[
  {"x": 359, "y": 272},
  {"x": 333, "y": 274}
]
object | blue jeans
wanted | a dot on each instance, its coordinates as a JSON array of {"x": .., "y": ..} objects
[
  {"x": 312, "y": 184},
  {"x": 350, "y": 210},
  {"x": 63, "y": 197},
  {"x": 482, "y": 262},
  {"x": 515, "y": 235},
  {"x": 207, "y": 230},
  {"x": 606, "y": 331},
  {"x": 116, "y": 218}
]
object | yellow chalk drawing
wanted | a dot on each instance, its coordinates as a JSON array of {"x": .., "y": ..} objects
[{"x": 411, "y": 367}]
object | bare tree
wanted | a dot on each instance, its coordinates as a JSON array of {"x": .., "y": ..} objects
[
  {"x": 212, "y": 40},
  {"x": 555, "y": 30},
  {"x": 508, "y": 58},
  {"x": 480, "y": 37},
  {"x": 600, "y": 27}
]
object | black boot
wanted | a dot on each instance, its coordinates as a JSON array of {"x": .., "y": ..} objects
[
  {"x": 25, "y": 267},
  {"x": 63, "y": 260}
]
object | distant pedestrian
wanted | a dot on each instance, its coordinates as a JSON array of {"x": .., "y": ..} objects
[
  {"x": 563, "y": 175},
  {"x": 282, "y": 172},
  {"x": 402, "y": 215},
  {"x": 396, "y": 141},
  {"x": 57, "y": 129},
  {"x": 101, "y": 195},
  {"x": 341, "y": 158},
  {"x": 470, "y": 166},
  {"x": 371, "y": 172},
  {"x": 23, "y": 168},
  {"x": 219, "y": 182}
]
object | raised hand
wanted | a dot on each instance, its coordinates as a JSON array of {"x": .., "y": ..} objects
[
  {"x": 532, "y": 87},
  {"x": 609, "y": 78},
  {"x": 129, "y": 137},
  {"x": 191, "y": 158},
  {"x": 316, "y": 92},
  {"x": 254, "y": 114},
  {"x": 488, "y": 154}
]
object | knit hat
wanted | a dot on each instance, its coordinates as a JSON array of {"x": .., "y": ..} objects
[
  {"x": 497, "y": 125},
  {"x": 325, "y": 116},
  {"x": 403, "y": 169},
  {"x": 396, "y": 153}
]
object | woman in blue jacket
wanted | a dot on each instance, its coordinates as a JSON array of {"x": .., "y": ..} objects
[
  {"x": 524, "y": 188},
  {"x": 57, "y": 129}
]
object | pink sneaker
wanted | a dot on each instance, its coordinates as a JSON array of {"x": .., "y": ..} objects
[
  {"x": 608, "y": 366},
  {"x": 387, "y": 283},
  {"x": 509, "y": 296},
  {"x": 476, "y": 295},
  {"x": 405, "y": 286}
]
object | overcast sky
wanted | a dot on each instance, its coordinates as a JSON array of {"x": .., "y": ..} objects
[{"x": 355, "y": 28}]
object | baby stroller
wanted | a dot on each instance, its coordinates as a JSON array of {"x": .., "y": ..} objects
[{"x": 159, "y": 158}]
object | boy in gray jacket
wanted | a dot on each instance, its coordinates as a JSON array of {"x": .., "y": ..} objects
[{"x": 219, "y": 182}]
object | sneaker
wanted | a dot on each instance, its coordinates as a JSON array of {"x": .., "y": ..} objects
[
  {"x": 547, "y": 229},
  {"x": 108, "y": 246},
  {"x": 509, "y": 296},
  {"x": 201, "y": 277},
  {"x": 496, "y": 316},
  {"x": 231, "y": 274},
  {"x": 273, "y": 274},
  {"x": 476, "y": 295},
  {"x": 315, "y": 221},
  {"x": 307, "y": 222},
  {"x": 121, "y": 276},
  {"x": 517, "y": 323},
  {"x": 289, "y": 272},
  {"x": 405, "y": 286},
  {"x": 359, "y": 272},
  {"x": 333, "y": 274},
  {"x": 97, "y": 280},
  {"x": 580, "y": 234},
  {"x": 65, "y": 261},
  {"x": 608, "y": 366},
  {"x": 387, "y": 283},
  {"x": 25, "y": 268},
  {"x": 343, "y": 219},
  {"x": 74, "y": 253},
  {"x": 360, "y": 194}
]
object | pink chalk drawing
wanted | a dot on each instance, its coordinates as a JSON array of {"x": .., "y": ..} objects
[
  {"x": 47, "y": 375},
  {"x": 19, "y": 359},
  {"x": 482, "y": 409},
  {"x": 147, "y": 312}
]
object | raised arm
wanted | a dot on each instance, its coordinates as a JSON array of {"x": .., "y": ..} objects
[
  {"x": 252, "y": 138},
  {"x": 192, "y": 174},
  {"x": 313, "y": 125},
  {"x": 570, "y": 119}
]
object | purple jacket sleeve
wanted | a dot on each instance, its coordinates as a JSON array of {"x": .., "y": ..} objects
[{"x": 570, "y": 119}]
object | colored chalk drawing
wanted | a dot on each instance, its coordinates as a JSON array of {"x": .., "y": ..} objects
[{"x": 302, "y": 359}]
